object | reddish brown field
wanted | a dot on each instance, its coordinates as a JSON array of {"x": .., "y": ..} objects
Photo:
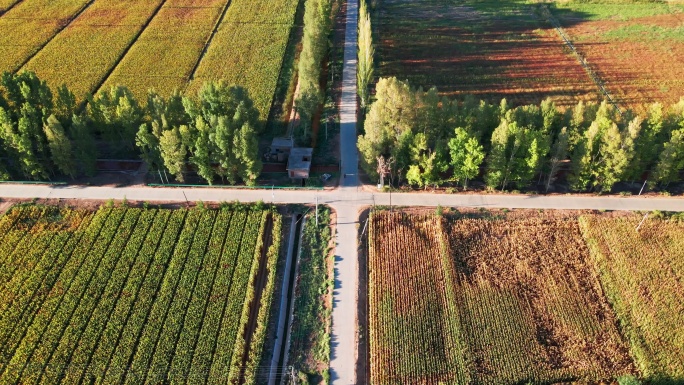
[
  {"x": 640, "y": 59},
  {"x": 491, "y": 49}
]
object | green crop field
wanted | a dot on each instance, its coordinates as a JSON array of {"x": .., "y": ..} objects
[
  {"x": 165, "y": 45},
  {"x": 530, "y": 298},
  {"x": 128, "y": 295}
]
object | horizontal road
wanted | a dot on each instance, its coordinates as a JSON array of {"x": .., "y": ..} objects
[{"x": 344, "y": 197}]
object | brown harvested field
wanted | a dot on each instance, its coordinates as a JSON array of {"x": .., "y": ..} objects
[
  {"x": 637, "y": 49},
  {"x": 487, "y": 301},
  {"x": 643, "y": 276},
  {"x": 491, "y": 49}
]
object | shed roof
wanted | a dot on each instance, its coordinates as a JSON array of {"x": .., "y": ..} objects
[{"x": 296, "y": 160}]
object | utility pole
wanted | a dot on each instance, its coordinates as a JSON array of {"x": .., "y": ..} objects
[
  {"x": 642, "y": 222},
  {"x": 642, "y": 187}
]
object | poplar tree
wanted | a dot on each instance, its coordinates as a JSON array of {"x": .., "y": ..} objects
[
  {"x": 467, "y": 155},
  {"x": 559, "y": 153},
  {"x": 365, "y": 55},
  {"x": 83, "y": 144},
  {"x": 173, "y": 152},
  {"x": 60, "y": 146},
  {"x": 671, "y": 161}
]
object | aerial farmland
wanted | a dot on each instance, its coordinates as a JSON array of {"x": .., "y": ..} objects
[
  {"x": 523, "y": 297},
  {"x": 165, "y": 45},
  {"x": 509, "y": 49}
]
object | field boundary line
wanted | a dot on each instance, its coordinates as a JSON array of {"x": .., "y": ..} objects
[
  {"x": 583, "y": 62},
  {"x": 217, "y": 24},
  {"x": 125, "y": 52},
  {"x": 62, "y": 28},
  {"x": 10, "y": 7}
]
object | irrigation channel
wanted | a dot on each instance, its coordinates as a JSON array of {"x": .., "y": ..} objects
[{"x": 278, "y": 370}]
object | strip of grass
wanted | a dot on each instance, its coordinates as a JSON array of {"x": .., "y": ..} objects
[{"x": 310, "y": 346}]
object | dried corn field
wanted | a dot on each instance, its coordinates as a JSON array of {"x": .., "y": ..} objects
[
  {"x": 487, "y": 302},
  {"x": 643, "y": 277}
]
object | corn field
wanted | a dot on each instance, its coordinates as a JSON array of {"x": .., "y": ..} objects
[
  {"x": 127, "y": 295},
  {"x": 487, "y": 302},
  {"x": 643, "y": 277}
]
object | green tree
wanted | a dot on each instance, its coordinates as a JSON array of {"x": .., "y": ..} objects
[
  {"x": 317, "y": 24},
  {"x": 559, "y": 153},
  {"x": 173, "y": 152},
  {"x": 391, "y": 115},
  {"x": 516, "y": 155},
  {"x": 671, "y": 161},
  {"x": 247, "y": 153},
  {"x": 366, "y": 51},
  {"x": 116, "y": 115},
  {"x": 60, "y": 146},
  {"x": 18, "y": 143},
  {"x": 83, "y": 145},
  {"x": 467, "y": 155}
]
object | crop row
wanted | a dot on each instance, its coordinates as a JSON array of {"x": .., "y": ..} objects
[
  {"x": 20, "y": 307},
  {"x": 151, "y": 334},
  {"x": 31, "y": 345},
  {"x": 228, "y": 353},
  {"x": 207, "y": 339},
  {"x": 402, "y": 264},
  {"x": 197, "y": 309},
  {"x": 259, "y": 337},
  {"x": 78, "y": 356},
  {"x": 142, "y": 303},
  {"x": 488, "y": 289},
  {"x": 176, "y": 317}
]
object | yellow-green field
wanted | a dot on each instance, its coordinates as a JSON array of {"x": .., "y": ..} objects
[{"x": 165, "y": 45}]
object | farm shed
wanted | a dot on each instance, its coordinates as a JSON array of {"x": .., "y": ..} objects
[{"x": 299, "y": 162}]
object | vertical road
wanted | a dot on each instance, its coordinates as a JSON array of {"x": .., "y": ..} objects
[{"x": 344, "y": 338}]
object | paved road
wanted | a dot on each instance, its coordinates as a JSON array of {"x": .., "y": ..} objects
[
  {"x": 345, "y": 200},
  {"x": 344, "y": 333}
]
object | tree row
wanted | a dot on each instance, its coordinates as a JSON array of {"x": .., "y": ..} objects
[
  {"x": 420, "y": 138},
  {"x": 46, "y": 134}
]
